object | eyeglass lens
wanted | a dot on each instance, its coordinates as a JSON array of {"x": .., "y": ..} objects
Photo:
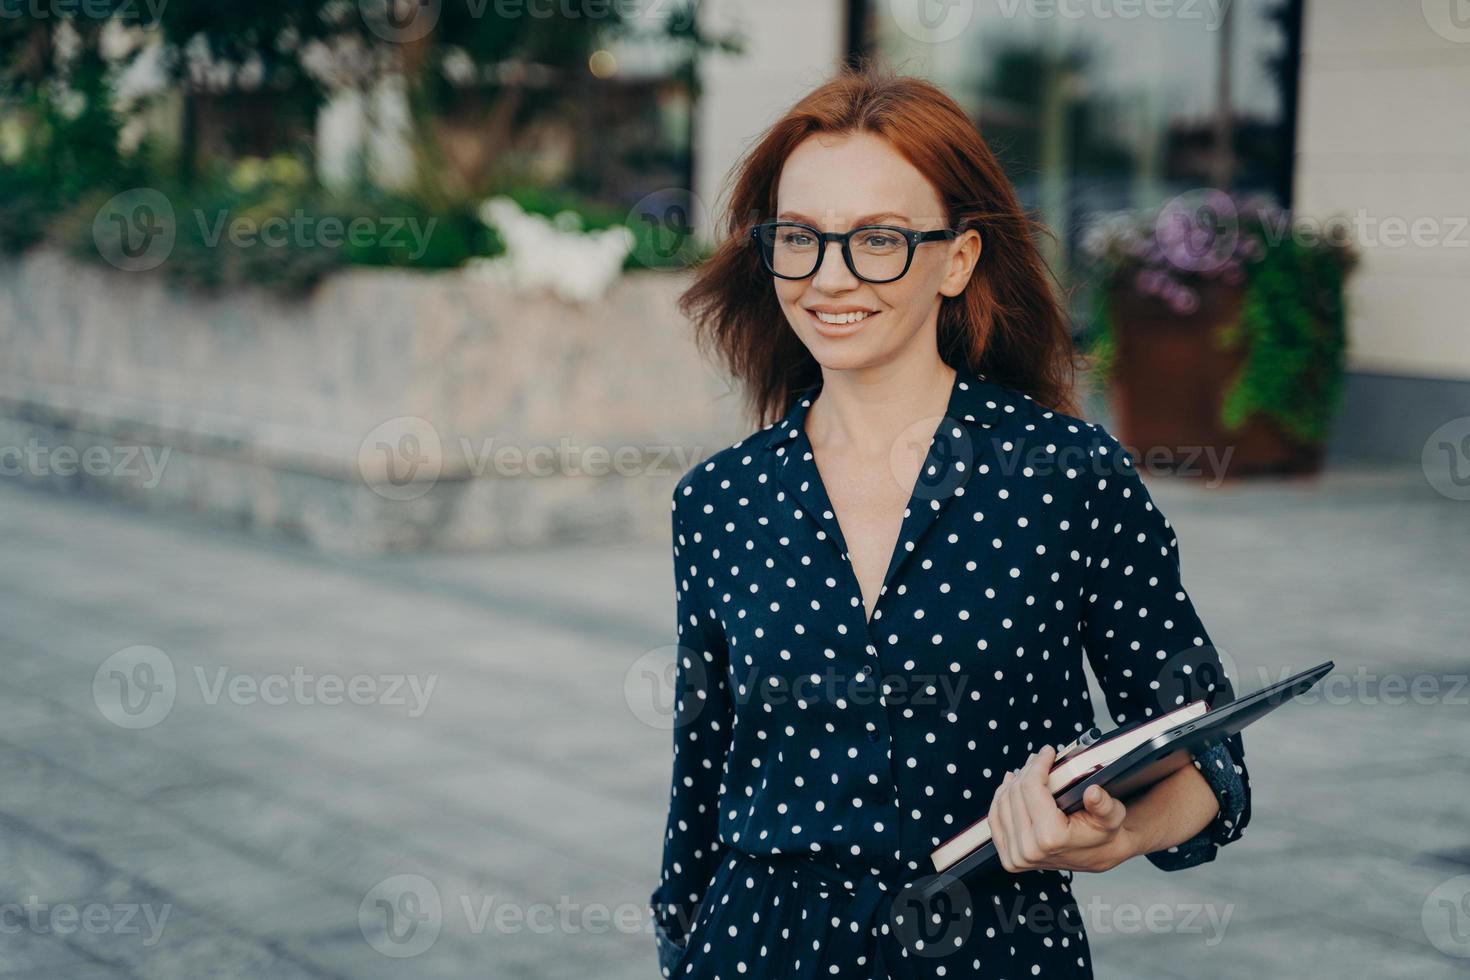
[{"x": 877, "y": 253}]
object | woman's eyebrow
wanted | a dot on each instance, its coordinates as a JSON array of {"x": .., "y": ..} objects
[{"x": 866, "y": 219}]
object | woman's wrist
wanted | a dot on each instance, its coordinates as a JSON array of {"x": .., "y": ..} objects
[
  {"x": 1126, "y": 844},
  {"x": 1168, "y": 813}
]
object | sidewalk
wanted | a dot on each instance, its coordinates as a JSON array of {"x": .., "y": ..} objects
[{"x": 497, "y": 762}]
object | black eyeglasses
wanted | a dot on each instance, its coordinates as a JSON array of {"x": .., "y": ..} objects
[{"x": 873, "y": 253}]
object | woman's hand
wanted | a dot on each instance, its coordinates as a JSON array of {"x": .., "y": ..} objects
[{"x": 1031, "y": 832}]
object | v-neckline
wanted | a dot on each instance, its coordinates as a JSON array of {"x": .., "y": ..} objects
[
  {"x": 896, "y": 551},
  {"x": 976, "y": 406}
]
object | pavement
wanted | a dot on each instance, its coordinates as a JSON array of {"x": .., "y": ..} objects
[{"x": 228, "y": 756}]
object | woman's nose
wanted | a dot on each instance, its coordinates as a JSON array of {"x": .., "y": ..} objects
[{"x": 833, "y": 275}]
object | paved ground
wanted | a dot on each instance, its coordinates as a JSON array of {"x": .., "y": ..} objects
[{"x": 224, "y": 835}]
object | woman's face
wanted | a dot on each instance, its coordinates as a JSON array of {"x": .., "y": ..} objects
[{"x": 836, "y": 183}]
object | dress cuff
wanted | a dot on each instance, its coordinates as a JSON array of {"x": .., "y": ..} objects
[
  {"x": 669, "y": 935},
  {"x": 1217, "y": 764}
]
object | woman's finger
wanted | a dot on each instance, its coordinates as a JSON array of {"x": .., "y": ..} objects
[
  {"x": 1048, "y": 823},
  {"x": 999, "y": 832},
  {"x": 1019, "y": 822},
  {"x": 1104, "y": 808}
]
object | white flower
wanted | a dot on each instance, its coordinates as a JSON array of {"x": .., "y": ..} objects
[{"x": 553, "y": 255}]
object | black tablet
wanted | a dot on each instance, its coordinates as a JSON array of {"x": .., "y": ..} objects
[{"x": 1149, "y": 763}]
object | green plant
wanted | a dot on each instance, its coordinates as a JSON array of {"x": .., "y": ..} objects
[
  {"x": 1293, "y": 329},
  {"x": 266, "y": 222},
  {"x": 28, "y": 206},
  {"x": 220, "y": 232},
  {"x": 62, "y": 129},
  {"x": 1292, "y": 325},
  {"x": 1102, "y": 347},
  {"x": 449, "y": 236},
  {"x": 472, "y": 82}
]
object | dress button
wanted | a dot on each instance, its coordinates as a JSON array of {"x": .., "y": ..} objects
[{"x": 872, "y": 736}]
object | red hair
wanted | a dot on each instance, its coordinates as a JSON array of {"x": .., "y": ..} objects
[{"x": 1008, "y": 324}]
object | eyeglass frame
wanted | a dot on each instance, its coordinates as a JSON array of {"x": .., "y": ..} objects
[{"x": 914, "y": 238}]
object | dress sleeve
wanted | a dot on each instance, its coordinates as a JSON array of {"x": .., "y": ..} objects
[
  {"x": 1145, "y": 642},
  {"x": 702, "y": 719}
]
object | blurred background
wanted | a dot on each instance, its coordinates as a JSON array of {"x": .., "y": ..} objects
[{"x": 342, "y": 393}]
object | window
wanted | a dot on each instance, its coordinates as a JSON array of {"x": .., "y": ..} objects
[{"x": 1099, "y": 105}]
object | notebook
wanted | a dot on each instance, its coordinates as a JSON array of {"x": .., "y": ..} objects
[
  {"x": 1077, "y": 761},
  {"x": 1125, "y": 762}
]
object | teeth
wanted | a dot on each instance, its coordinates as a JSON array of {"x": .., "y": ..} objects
[{"x": 852, "y": 317}]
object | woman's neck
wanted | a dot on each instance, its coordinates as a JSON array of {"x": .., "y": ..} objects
[{"x": 866, "y": 410}]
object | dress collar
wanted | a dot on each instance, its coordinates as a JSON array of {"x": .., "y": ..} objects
[
  {"x": 961, "y": 445},
  {"x": 973, "y": 399}
]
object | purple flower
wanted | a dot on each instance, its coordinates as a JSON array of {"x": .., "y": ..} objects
[{"x": 1185, "y": 301}]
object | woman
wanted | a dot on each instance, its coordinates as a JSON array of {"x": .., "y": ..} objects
[{"x": 885, "y": 595}]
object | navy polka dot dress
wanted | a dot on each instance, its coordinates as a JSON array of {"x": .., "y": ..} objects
[{"x": 819, "y": 757}]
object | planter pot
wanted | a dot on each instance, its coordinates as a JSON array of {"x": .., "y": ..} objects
[{"x": 1169, "y": 381}]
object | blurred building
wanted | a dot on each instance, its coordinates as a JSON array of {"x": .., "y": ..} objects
[{"x": 1353, "y": 110}]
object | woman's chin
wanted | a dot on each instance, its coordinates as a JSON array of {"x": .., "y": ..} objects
[{"x": 849, "y": 352}]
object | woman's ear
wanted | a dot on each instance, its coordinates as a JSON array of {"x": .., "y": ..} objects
[{"x": 964, "y": 252}]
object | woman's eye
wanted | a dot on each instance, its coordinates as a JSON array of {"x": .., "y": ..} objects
[
  {"x": 796, "y": 239},
  {"x": 878, "y": 240}
]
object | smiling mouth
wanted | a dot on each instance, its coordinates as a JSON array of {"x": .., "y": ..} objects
[{"x": 837, "y": 324}]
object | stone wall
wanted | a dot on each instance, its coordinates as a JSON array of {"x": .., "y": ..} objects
[{"x": 386, "y": 410}]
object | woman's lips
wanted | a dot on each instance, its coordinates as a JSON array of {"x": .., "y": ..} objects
[{"x": 839, "y": 329}]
